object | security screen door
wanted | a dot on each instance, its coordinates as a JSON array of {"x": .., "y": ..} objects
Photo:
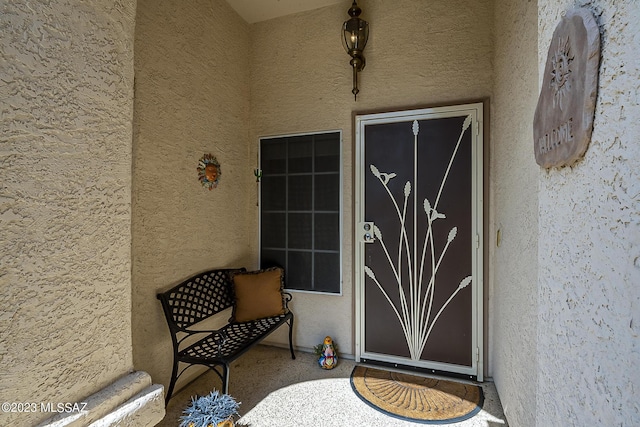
[{"x": 419, "y": 239}]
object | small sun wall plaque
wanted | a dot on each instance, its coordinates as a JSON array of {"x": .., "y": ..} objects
[
  {"x": 563, "y": 120},
  {"x": 209, "y": 171}
]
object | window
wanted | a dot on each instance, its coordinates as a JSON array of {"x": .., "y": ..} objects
[{"x": 300, "y": 215}]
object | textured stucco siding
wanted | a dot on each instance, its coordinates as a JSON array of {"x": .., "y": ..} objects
[
  {"x": 191, "y": 98},
  {"x": 513, "y": 232},
  {"x": 589, "y": 244},
  {"x": 66, "y": 88},
  {"x": 419, "y": 53}
]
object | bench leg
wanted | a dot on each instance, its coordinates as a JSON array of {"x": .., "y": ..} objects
[
  {"x": 172, "y": 383},
  {"x": 225, "y": 379},
  {"x": 293, "y": 356}
]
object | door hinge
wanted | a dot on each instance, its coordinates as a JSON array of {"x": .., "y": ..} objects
[
  {"x": 477, "y": 241},
  {"x": 477, "y": 354}
]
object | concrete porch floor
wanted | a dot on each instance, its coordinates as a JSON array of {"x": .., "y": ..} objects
[{"x": 276, "y": 391}]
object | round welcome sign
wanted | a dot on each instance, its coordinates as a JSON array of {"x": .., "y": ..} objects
[{"x": 563, "y": 120}]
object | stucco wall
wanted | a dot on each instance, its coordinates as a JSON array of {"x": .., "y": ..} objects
[
  {"x": 66, "y": 90},
  {"x": 419, "y": 53},
  {"x": 191, "y": 98},
  {"x": 589, "y": 243},
  {"x": 513, "y": 232}
]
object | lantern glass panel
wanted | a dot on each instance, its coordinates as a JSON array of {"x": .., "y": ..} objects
[{"x": 355, "y": 34}]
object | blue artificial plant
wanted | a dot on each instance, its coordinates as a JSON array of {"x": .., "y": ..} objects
[{"x": 209, "y": 410}]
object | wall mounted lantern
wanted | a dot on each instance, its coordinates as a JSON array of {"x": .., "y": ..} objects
[{"x": 355, "y": 32}]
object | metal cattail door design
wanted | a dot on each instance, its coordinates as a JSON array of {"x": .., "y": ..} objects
[{"x": 418, "y": 238}]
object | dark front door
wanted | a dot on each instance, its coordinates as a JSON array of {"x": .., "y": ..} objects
[{"x": 418, "y": 233}]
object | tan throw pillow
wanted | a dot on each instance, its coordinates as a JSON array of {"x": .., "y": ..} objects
[{"x": 258, "y": 294}]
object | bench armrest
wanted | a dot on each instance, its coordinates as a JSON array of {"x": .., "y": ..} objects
[{"x": 287, "y": 297}]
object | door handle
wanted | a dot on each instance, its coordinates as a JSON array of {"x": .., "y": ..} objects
[{"x": 365, "y": 230}]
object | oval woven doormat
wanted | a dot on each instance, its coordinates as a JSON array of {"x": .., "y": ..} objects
[{"x": 417, "y": 399}]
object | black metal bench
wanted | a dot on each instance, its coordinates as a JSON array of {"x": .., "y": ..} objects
[{"x": 199, "y": 298}]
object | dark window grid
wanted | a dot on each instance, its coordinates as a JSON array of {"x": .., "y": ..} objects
[
  {"x": 304, "y": 174},
  {"x": 313, "y": 225},
  {"x": 272, "y": 211},
  {"x": 287, "y": 250},
  {"x": 286, "y": 226}
]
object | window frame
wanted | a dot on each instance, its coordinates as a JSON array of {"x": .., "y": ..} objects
[{"x": 340, "y": 205}]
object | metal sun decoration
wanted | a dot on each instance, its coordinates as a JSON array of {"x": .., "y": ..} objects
[{"x": 209, "y": 171}]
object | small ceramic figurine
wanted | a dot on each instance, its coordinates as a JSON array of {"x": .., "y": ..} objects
[{"x": 328, "y": 357}]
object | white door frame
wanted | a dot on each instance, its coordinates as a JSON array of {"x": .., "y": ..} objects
[{"x": 474, "y": 110}]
